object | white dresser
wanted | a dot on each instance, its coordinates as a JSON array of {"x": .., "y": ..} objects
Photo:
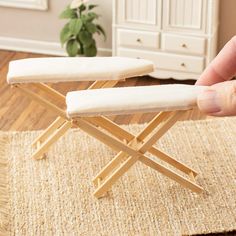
[{"x": 179, "y": 36}]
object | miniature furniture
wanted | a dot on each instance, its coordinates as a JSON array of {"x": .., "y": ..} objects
[
  {"x": 105, "y": 71},
  {"x": 170, "y": 100},
  {"x": 86, "y": 109},
  {"x": 179, "y": 36}
]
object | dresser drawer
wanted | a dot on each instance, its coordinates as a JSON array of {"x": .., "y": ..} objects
[
  {"x": 183, "y": 44},
  {"x": 167, "y": 61},
  {"x": 138, "y": 39}
]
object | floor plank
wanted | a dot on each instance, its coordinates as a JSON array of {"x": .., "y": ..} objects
[{"x": 19, "y": 113}]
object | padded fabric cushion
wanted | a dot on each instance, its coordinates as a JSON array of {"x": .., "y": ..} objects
[
  {"x": 63, "y": 69},
  {"x": 113, "y": 101}
]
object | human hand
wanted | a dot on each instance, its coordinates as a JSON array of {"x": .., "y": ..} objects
[{"x": 220, "y": 98}]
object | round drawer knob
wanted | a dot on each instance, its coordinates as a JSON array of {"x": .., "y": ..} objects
[
  {"x": 139, "y": 40},
  {"x": 183, "y": 64},
  {"x": 184, "y": 45}
]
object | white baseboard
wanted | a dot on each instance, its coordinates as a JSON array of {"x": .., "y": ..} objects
[{"x": 42, "y": 47}]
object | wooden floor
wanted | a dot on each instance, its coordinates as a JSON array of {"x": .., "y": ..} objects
[{"x": 19, "y": 113}]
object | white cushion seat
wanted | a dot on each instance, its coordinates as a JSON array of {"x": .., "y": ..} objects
[
  {"x": 64, "y": 69},
  {"x": 128, "y": 100}
]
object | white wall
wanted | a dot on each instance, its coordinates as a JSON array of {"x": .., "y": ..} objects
[
  {"x": 227, "y": 21},
  {"x": 45, "y": 25}
]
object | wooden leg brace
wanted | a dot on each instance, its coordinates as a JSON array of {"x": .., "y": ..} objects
[
  {"x": 134, "y": 149},
  {"x": 60, "y": 126},
  {"x": 130, "y": 148}
]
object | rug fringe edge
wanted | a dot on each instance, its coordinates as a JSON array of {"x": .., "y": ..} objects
[{"x": 4, "y": 188}]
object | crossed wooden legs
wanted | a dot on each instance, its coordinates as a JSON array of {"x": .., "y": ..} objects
[
  {"x": 132, "y": 149},
  {"x": 60, "y": 126}
]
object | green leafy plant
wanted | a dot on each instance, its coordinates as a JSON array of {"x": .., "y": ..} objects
[{"x": 78, "y": 34}]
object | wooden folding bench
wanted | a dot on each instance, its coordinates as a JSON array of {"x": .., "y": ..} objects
[
  {"x": 104, "y": 71},
  {"x": 87, "y": 108}
]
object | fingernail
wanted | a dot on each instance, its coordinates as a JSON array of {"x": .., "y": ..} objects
[{"x": 209, "y": 102}]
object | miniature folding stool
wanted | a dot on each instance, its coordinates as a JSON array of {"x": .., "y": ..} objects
[
  {"x": 86, "y": 107},
  {"x": 105, "y": 71}
]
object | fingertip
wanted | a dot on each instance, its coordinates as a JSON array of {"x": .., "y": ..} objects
[{"x": 208, "y": 102}]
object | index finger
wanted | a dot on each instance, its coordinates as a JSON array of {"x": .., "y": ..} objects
[{"x": 222, "y": 68}]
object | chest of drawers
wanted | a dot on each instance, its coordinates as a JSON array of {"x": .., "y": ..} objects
[{"x": 179, "y": 36}]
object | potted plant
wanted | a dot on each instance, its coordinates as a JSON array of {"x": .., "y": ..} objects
[{"x": 78, "y": 34}]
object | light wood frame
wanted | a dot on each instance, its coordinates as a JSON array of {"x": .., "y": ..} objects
[
  {"x": 61, "y": 124},
  {"x": 30, "y": 4},
  {"x": 130, "y": 148}
]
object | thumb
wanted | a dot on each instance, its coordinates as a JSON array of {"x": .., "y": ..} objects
[{"x": 219, "y": 99}]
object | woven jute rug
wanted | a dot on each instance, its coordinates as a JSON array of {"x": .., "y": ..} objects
[{"x": 54, "y": 196}]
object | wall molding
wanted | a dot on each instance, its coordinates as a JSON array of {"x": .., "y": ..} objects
[
  {"x": 29, "y": 4},
  {"x": 42, "y": 47}
]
